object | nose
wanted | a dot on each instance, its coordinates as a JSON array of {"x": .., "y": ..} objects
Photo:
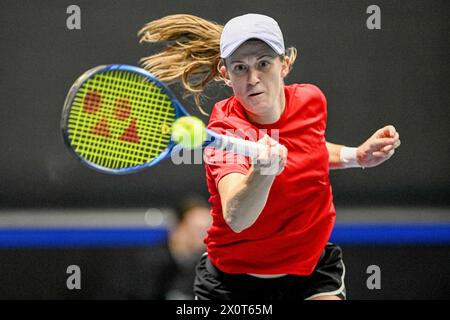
[{"x": 253, "y": 76}]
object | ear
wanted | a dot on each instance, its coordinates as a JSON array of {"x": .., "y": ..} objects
[
  {"x": 285, "y": 68},
  {"x": 224, "y": 74}
]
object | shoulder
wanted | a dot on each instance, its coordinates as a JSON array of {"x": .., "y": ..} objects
[
  {"x": 228, "y": 114},
  {"x": 306, "y": 101},
  {"x": 222, "y": 109},
  {"x": 306, "y": 90}
]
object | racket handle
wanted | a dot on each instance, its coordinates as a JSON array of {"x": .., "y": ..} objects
[{"x": 240, "y": 146}]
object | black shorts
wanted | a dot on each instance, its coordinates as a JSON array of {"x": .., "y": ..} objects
[{"x": 326, "y": 279}]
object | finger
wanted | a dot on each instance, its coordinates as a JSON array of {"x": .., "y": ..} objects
[
  {"x": 283, "y": 159},
  {"x": 397, "y": 144},
  {"x": 272, "y": 142},
  {"x": 379, "y": 154},
  {"x": 263, "y": 153},
  {"x": 386, "y": 132},
  {"x": 281, "y": 166},
  {"x": 387, "y": 148},
  {"x": 390, "y": 154},
  {"x": 284, "y": 152},
  {"x": 397, "y": 135},
  {"x": 390, "y": 130},
  {"x": 264, "y": 140},
  {"x": 278, "y": 150},
  {"x": 379, "y": 143}
]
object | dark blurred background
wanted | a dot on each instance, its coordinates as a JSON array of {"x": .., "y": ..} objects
[{"x": 397, "y": 75}]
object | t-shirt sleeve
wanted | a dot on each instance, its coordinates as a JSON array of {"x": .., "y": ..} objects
[
  {"x": 320, "y": 94},
  {"x": 317, "y": 108}
]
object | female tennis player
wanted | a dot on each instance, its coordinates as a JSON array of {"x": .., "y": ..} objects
[{"x": 272, "y": 216}]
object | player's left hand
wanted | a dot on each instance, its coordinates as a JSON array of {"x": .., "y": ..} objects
[{"x": 379, "y": 147}]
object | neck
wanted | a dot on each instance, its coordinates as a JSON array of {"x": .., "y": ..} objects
[{"x": 272, "y": 115}]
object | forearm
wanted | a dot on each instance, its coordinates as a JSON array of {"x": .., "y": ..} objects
[
  {"x": 334, "y": 160},
  {"x": 248, "y": 200},
  {"x": 342, "y": 157}
]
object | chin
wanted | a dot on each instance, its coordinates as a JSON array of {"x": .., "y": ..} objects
[
  {"x": 257, "y": 106},
  {"x": 262, "y": 108}
]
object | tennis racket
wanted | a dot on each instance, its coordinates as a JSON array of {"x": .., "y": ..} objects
[{"x": 117, "y": 119}]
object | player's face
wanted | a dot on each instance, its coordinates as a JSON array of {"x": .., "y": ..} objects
[{"x": 256, "y": 73}]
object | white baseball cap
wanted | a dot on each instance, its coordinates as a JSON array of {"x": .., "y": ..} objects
[{"x": 249, "y": 26}]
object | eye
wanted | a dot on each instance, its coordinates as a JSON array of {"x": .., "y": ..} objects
[
  {"x": 264, "y": 64},
  {"x": 239, "y": 68}
]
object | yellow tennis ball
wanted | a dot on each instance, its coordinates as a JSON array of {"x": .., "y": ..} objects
[{"x": 190, "y": 132}]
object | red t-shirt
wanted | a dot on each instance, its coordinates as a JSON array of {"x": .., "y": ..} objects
[{"x": 296, "y": 222}]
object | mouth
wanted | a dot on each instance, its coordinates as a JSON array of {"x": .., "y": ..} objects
[{"x": 251, "y": 95}]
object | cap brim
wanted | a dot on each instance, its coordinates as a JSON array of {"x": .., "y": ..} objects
[{"x": 236, "y": 45}]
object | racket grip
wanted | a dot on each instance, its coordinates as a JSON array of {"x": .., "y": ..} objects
[{"x": 240, "y": 146}]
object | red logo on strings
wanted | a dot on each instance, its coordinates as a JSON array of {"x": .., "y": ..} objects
[{"x": 122, "y": 112}]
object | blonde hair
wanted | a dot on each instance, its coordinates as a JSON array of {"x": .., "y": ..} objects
[{"x": 192, "y": 57}]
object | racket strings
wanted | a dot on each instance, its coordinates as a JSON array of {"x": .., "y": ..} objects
[
  {"x": 119, "y": 120},
  {"x": 130, "y": 90}
]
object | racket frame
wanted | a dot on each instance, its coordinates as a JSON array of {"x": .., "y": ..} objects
[{"x": 218, "y": 141}]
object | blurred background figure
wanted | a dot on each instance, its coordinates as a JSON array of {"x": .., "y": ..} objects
[
  {"x": 186, "y": 245},
  {"x": 164, "y": 270}
]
